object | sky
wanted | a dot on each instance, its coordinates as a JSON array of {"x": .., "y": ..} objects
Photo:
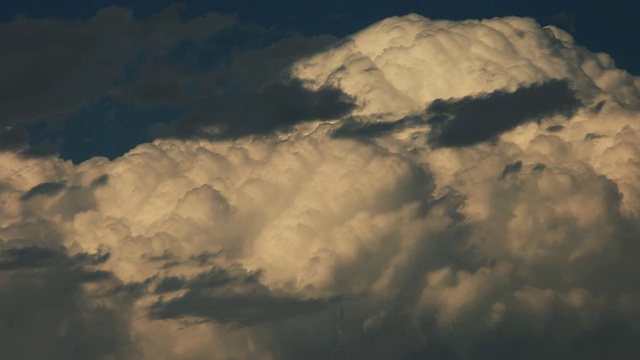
[{"x": 332, "y": 180}]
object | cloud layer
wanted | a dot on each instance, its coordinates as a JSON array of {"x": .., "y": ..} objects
[{"x": 479, "y": 201}]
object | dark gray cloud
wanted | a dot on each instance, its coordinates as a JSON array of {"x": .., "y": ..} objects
[
  {"x": 170, "y": 260},
  {"x": 352, "y": 128},
  {"x": 14, "y": 139},
  {"x": 237, "y": 309},
  {"x": 255, "y": 67},
  {"x": 44, "y": 189},
  {"x": 186, "y": 81},
  {"x": 52, "y": 68},
  {"x": 15, "y": 255},
  {"x": 476, "y": 119},
  {"x": 512, "y": 168},
  {"x": 230, "y": 295},
  {"x": 30, "y": 257},
  {"x": 593, "y": 136},
  {"x": 58, "y": 73},
  {"x": 101, "y": 180},
  {"x": 472, "y": 120},
  {"x": 250, "y": 93},
  {"x": 555, "y": 128},
  {"x": 61, "y": 71},
  {"x": 44, "y": 301},
  {"x": 169, "y": 284},
  {"x": 539, "y": 167},
  {"x": 598, "y": 107},
  {"x": 158, "y": 85},
  {"x": 561, "y": 338},
  {"x": 70, "y": 200},
  {"x": 41, "y": 148},
  {"x": 276, "y": 106}
]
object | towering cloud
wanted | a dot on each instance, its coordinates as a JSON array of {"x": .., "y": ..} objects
[{"x": 476, "y": 198}]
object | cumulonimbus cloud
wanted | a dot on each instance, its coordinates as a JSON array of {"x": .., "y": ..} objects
[{"x": 401, "y": 238}]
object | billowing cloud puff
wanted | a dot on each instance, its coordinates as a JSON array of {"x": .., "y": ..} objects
[
  {"x": 481, "y": 202},
  {"x": 399, "y": 64}
]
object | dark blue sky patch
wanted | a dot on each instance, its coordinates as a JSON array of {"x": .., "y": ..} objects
[{"x": 108, "y": 128}]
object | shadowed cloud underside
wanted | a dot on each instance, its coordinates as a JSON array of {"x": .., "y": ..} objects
[{"x": 475, "y": 119}]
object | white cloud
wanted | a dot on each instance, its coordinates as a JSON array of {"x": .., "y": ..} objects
[
  {"x": 400, "y": 64},
  {"x": 335, "y": 246}
]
